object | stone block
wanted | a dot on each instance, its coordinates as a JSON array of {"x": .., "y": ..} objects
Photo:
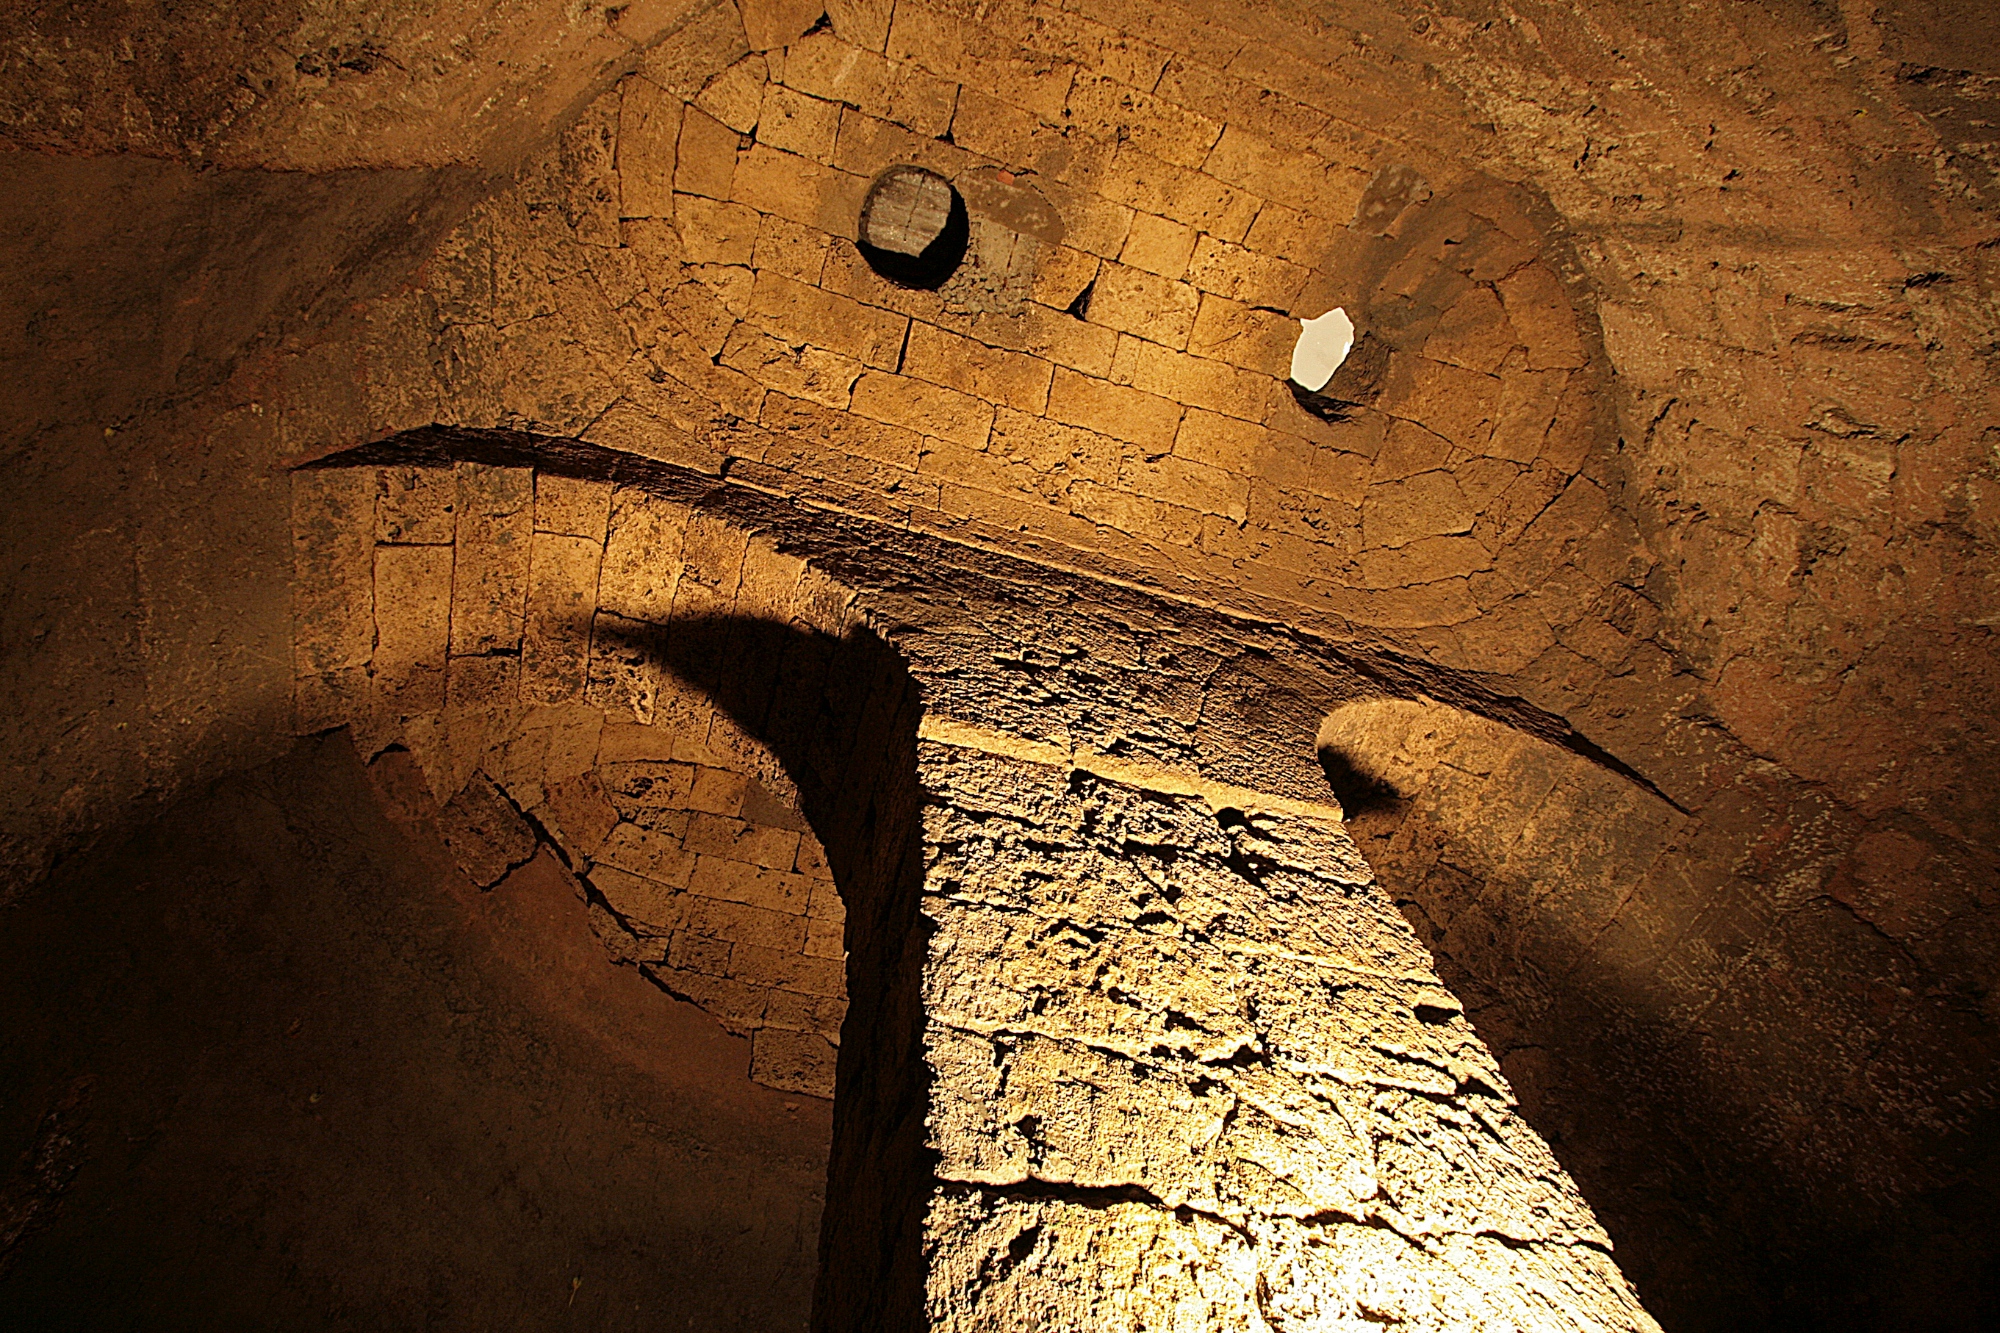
[
  {"x": 1146, "y": 184},
  {"x": 770, "y": 24},
  {"x": 1406, "y": 449},
  {"x": 969, "y": 53},
  {"x": 1063, "y": 275},
  {"x": 862, "y": 23},
  {"x": 795, "y": 123},
  {"x": 1096, "y": 224},
  {"x": 1134, "y": 515},
  {"x": 922, "y": 103},
  {"x": 486, "y": 835},
  {"x": 798, "y": 188},
  {"x": 825, "y": 938},
  {"x": 341, "y": 697},
  {"x": 1291, "y": 176},
  {"x": 705, "y": 160},
  {"x": 624, "y": 672},
  {"x": 1158, "y": 245},
  {"x": 927, "y": 409},
  {"x": 649, "y": 130},
  {"x": 1144, "y": 305},
  {"x": 1430, "y": 504},
  {"x": 1271, "y": 114},
  {"x": 788, "y": 970},
  {"x": 653, "y": 852},
  {"x": 739, "y": 1008},
  {"x": 711, "y": 39},
  {"x": 800, "y": 1062},
  {"x": 1063, "y": 339},
  {"x": 699, "y": 953},
  {"x": 1194, "y": 381},
  {"x": 739, "y": 923},
  {"x": 979, "y": 470},
  {"x": 818, "y": 429},
  {"x": 412, "y": 625},
  {"x": 715, "y": 232},
  {"x": 811, "y": 861},
  {"x": 711, "y": 563},
  {"x": 1426, "y": 560},
  {"x": 790, "y": 1011},
  {"x": 562, "y": 599},
  {"x": 790, "y": 250},
  {"x": 1010, "y": 379},
  {"x": 1243, "y": 275},
  {"x": 717, "y": 791},
  {"x": 645, "y": 790},
  {"x": 1539, "y": 310},
  {"x": 740, "y": 840},
  {"x": 1233, "y": 445},
  {"x": 572, "y": 506},
  {"x": 1110, "y": 409},
  {"x": 825, "y": 66},
  {"x": 620, "y": 943},
  {"x": 826, "y": 319},
  {"x": 689, "y": 715},
  {"x": 641, "y": 564},
  {"x": 416, "y": 505},
  {"x": 997, "y": 129},
  {"x": 1257, "y": 340},
  {"x": 739, "y": 882},
  {"x": 651, "y": 907},
  {"x": 797, "y": 371},
  {"x": 333, "y": 565},
  {"x": 1119, "y": 113},
  {"x": 868, "y": 145},
  {"x": 1473, "y": 334},
  {"x": 581, "y": 816},
  {"x": 1054, "y": 453},
  {"x": 1450, "y": 401},
  {"x": 1188, "y": 484},
  {"x": 736, "y": 95},
  {"x": 490, "y": 563}
]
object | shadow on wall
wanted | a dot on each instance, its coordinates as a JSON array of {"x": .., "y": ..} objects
[
  {"x": 841, "y": 714},
  {"x": 1684, "y": 1021}
]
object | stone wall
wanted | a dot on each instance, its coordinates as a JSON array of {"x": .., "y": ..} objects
[
  {"x": 1117, "y": 1015},
  {"x": 493, "y": 621},
  {"x": 1767, "y": 590},
  {"x": 1194, "y": 1072}
]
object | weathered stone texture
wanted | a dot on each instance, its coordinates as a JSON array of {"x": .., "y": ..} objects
[
  {"x": 1668, "y": 438},
  {"x": 696, "y": 870},
  {"x": 1193, "y": 1071}
]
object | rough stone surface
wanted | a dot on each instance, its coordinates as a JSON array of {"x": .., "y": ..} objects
[
  {"x": 1667, "y": 440},
  {"x": 1193, "y": 1072},
  {"x": 1131, "y": 991}
]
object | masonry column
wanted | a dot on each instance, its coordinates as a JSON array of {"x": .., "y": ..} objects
[{"x": 1191, "y": 1070}]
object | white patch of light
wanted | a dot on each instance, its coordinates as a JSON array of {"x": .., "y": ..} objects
[{"x": 1323, "y": 344}]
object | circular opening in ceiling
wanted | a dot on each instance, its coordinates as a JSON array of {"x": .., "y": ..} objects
[{"x": 913, "y": 227}]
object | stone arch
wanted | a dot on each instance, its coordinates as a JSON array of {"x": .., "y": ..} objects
[
  {"x": 1132, "y": 1043},
  {"x": 703, "y": 727}
]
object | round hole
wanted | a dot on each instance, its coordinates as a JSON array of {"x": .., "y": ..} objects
[{"x": 913, "y": 227}]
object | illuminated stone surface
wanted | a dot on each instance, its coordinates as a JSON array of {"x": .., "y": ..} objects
[{"x": 1666, "y": 479}]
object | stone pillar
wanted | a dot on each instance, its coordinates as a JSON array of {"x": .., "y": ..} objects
[{"x": 1191, "y": 1070}]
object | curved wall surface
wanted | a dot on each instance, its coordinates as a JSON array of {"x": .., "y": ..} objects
[{"x": 1662, "y": 468}]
